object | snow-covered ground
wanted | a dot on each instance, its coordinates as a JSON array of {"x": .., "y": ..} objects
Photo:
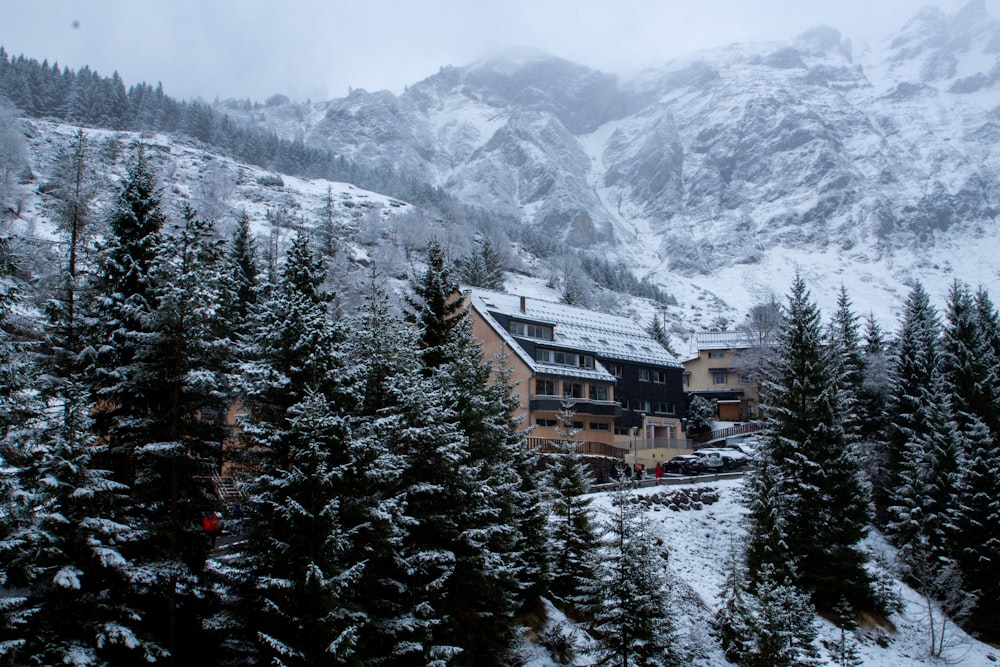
[{"x": 700, "y": 541}]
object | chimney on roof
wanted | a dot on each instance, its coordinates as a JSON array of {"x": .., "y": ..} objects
[{"x": 524, "y": 304}]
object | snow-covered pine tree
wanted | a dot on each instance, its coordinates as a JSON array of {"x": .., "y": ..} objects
[
  {"x": 60, "y": 530},
  {"x": 299, "y": 570},
  {"x": 873, "y": 415},
  {"x": 844, "y": 337},
  {"x": 438, "y": 491},
  {"x": 483, "y": 267},
  {"x": 783, "y": 630},
  {"x": 735, "y": 618},
  {"x": 915, "y": 364},
  {"x": 297, "y": 399},
  {"x": 632, "y": 616},
  {"x": 435, "y": 307},
  {"x": 120, "y": 299},
  {"x": 67, "y": 557},
  {"x": 967, "y": 362},
  {"x": 75, "y": 189},
  {"x": 383, "y": 353},
  {"x": 826, "y": 502},
  {"x": 657, "y": 331},
  {"x": 176, "y": 380},
  {"x": 574, "y": 529},
  {"x": 981, "y": 497},
  {"x": 924, "y": 506},
  {"x": 483, "y": 589},
  {"x": 243, "y": 271}
]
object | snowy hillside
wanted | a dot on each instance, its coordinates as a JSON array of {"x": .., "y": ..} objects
[
  {"x": 700, "y": 538},
  {"x": 719, "y": 175}
]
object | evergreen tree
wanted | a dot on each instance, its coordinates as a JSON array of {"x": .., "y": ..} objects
[
  {"x": 298, "y": 572},
  {"x": 574, "y": 532},
  {"x": 483, "y": 267},
  {"x": 915, "y": 365},
  {"x": 656, "y": 330},
  {"x": 873, "y": 416},
  {"x": 845, "y": 348},
  {"x": 734, "y": 621},
  {"x": 967, "y": 360},
  {"x": 826, "y": 502},
  {"x": 701, "y": 415},
  {"x": 435, "y": 307},
  {"x": 782, "y": 630},
  {"x": 630, "y": 603},
  {"x": 75, "y": 190},
  {"x": 244, "y": 272},
  {"x": 177, "y": 371},
  {"x": 121, "y": 298},
  {"x": 296, "y": 561},
  {"x": 923, "y": 513}
]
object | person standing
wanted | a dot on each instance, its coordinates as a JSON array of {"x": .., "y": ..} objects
[{"x": 659, "y": 472}]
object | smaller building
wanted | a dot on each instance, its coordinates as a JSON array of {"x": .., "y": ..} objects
[{"x": 716, "y": 370}]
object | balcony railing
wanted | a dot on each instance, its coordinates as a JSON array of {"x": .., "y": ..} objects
[
  {"x": 581, "y": 406},
  {"x": 553, "y": 446}
]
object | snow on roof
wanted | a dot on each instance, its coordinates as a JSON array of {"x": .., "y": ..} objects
[
  {"x": 603, "y": 335},
  {"x": 721, "y": 340}
]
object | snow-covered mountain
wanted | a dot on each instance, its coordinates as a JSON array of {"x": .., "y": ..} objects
[{"x": 721, "y": 174}]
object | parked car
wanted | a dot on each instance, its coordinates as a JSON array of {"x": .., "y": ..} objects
[
  {"x": 684, "y": 464},
  {"x": 732, "y": 459},
  {"x": 711, "y": 460}
]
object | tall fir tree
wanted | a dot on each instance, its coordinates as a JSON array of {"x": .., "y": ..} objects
[
  {"x": 913, "y": 370},
  {"x": 574, "y": 528},
  {"x": 483, "y": 267},
  {"x": 826, "y": 503},
  {"x": 630, "y": 598},
  {"x": 482, "y": 591},
  {"x": 176, "y": 379},
  {"x": 295, "y": 390},
  {"x": 844, "y": 337},
  {"x": 120, "y": 299},
  {"x": 434, "y": 307}
]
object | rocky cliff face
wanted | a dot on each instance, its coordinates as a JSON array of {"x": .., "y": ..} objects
[{"x": 816, "y": 144}]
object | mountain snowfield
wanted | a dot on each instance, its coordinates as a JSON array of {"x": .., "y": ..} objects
[
  {"x": 720, "y": 175},
  {"x": 698, "y": 541}
]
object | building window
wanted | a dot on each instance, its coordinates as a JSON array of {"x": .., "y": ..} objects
[
  {"x": 716, "y": 354},
  {"x": 535, "y": 331},
  {"x": 545, "y": 387},
  {"x": 744, "y": 378},
  {"x": 615, "y": 369},
  {"x": 687, "y": 379},
  {"x": 572, "y": 389},
  {"x": 578, "y": 425},
  {"x": 660, "y": 377},
  {"x": 662, "y": 407},
  {"x": 643, "y": 375},
  {"x": 623, "y": 430},
  {"x": 599, "y": 426},
  {"x": 545, "y": 422},
  {"x": 639, "y": 405},
  {"x": 598, "y": 392},
  {"x": 719, "y": 377},
  {"x": 564, "y": 358}
]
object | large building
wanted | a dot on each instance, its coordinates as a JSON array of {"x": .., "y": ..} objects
[
  {"x": 621, "y": 386},
  {"x": 714, "y": 370}
]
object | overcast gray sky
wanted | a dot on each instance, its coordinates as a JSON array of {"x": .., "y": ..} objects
[{"x": 318, "y": 48}]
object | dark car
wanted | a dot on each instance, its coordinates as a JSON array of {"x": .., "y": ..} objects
[{"x": 684, "y": 464}]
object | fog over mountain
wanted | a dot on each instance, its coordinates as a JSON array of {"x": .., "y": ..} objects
[
  {"x": 724, "y": 171},
  {"x": 714, "y": 177}
]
